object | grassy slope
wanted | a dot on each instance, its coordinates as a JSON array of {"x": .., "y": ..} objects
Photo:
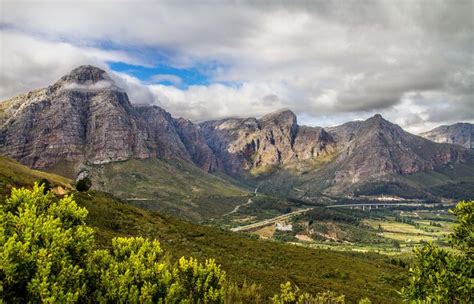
[
  {"x": 13, "y": 174},
  {"x": 453, "y": 181},
  {"x": 267, "y": 263},
  {"x": 171, "y": 186}
]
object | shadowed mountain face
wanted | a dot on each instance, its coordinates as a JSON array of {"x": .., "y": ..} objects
[
  {"x": 85, "y": 119},
  {"x": 459, "y": 134},
  {"x": 375, "y": 148}
]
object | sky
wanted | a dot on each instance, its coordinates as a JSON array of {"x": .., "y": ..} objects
[{"x": 328, "y": 61}]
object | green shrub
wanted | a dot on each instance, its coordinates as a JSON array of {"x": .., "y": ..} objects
[
  {"x": 290, "y": 294},
  {"x": 247, "y": 293},
  {"x": 44, "y": 244},
  {"x": 441, "y": 276}
]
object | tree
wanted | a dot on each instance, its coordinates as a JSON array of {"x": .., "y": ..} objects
[
  {"x": 84, "y": 184},
  {"x": 46, "y": 185},
  {"x": 441, "y": 276},
  {"x": 43, "y": 245}
]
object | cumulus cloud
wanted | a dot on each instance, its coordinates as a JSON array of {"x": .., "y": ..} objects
[
  {"x": 329, "y": 61},
  {"x": 173, "y": 79},
  {"x": 28, "y": 62}
]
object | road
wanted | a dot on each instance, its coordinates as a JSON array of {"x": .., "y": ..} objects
[
  {"x": 245, "y": 204},
  {"x": 270, "y": 221}
]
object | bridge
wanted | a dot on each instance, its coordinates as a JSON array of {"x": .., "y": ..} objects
[{"x": 379, "y": 205}]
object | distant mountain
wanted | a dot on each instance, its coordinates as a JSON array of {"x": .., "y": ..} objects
[
  {"x": 259, "y": 144},
  {"x": 377, "y": 147},
  {"x": 85, "y": 121},
  {"x": 373, "y": 156},
  {"x": 459, "y": 134}
]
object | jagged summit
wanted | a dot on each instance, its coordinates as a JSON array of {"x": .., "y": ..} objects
[{"x": 284, "y": 113}]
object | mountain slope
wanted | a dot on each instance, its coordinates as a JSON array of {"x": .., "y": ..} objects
[
  {"x": 244, "y": 259},
  {"x": 174, "y": 187},
  {"x": 459, "y": 134},
  {"x": 376, "y": 157},
  {"x": 85, "y": 118}
]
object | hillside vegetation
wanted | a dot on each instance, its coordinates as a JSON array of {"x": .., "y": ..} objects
[
  {"x": 243, "y": 258},
  {"x": 173, "y": 187}
]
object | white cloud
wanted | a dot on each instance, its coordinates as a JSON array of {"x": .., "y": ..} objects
[
  {"x": 327, "y": 60},
  {"x": 175, "y": 80},
  {"x": 28, "y": 62}
]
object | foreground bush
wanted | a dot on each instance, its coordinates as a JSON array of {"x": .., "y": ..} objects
[
  {"x": 44, "y": 248},
  {"x": 441, "y": 276},
  {"x": 47, "y": 254}
]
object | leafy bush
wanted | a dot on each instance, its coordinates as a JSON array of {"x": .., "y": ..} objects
[
  {"x": 44, "y": 245},
  {"x": 47, "y": 255},
  {"x": 132, "y": 272},
  {"x": 248, "y": 293}
]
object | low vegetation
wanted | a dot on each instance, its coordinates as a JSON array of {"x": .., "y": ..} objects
[
  {"x": 48, "y": 254},
  {"x": 246, "y": 260},
  {"x": 442, "y": 276},
  {"x": 173, "y": 187}
]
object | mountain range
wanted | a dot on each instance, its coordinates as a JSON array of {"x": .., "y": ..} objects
[{"x": 84, "y": 123}]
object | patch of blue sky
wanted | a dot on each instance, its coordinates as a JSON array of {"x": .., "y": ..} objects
[{"x": 167, "y": 74}]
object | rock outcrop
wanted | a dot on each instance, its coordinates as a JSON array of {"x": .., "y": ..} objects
[
  {"x": 273, "y": 140},
  {"x": 458, "y": 134}
]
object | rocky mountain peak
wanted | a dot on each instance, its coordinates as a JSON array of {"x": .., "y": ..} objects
[
  {"x": 280, "y": 117},
  {"x": 87, "y": 74},
  {"x": 85, "y": 78},
  {"x": 377, "y": 119}
]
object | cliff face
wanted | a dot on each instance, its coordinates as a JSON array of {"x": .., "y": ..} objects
[
  {"x": 273, "y": 140},
  {"x": 458, "y": 134},
  {"x": 84, "y": 117}
]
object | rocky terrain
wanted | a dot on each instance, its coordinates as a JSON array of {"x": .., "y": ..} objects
[
  {"x": 84, "y": 118},
  {"x": 376, "y": 147},
  {"x": 459, "y": 134},
  {"x": 273, "y": 140}
]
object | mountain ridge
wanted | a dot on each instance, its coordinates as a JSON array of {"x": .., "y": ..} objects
[{"x": 84, "y": 118}]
